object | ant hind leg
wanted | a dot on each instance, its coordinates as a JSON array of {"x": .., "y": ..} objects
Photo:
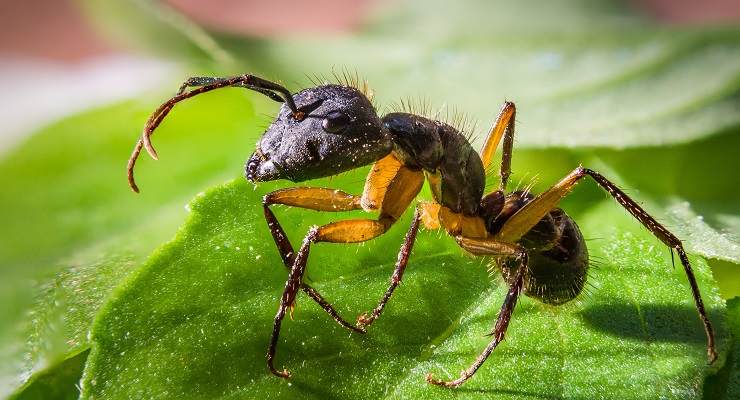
[{"x": 528, "y": 216}]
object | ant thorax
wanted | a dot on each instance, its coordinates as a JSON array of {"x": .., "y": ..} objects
[{"x": 453, "y": 167}]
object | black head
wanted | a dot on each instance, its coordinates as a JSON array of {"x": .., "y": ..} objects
[{"x": 335, "y": 130}]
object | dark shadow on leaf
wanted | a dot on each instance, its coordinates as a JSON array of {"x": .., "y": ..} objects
[
  {"x": 663, "y": 322},
  {"x": 464, "y": 392}
]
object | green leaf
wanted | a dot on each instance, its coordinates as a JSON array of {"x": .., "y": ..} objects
[
  {"x": 91, "y": 280},
  {"x": 76, "y": 285},
  {"x": 82, "y": 288},
  {"x": 195, "y": 320},
  {"x": 155, "y": 27}
]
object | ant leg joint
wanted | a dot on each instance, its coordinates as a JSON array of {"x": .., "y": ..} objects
[{"x": 313, "y": 233}]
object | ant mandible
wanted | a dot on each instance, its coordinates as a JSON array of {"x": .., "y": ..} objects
[{"x": 331, "y": 128}]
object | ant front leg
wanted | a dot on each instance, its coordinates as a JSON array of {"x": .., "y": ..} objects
[
  {"x": 528, "y": 216},
  {"x": 401, "y": 190},
  {"x": 319, "y": 199},
  {"x": 365, "y": 320},
  {"x": 378, "y": 182},
  {"x": 349, "y": 231},
  {"x": 488, "y": 247}
]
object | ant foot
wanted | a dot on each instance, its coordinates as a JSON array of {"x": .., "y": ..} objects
[
  {"x": 450, "y": 384},
  {"x": 363, "y": 321},
  {"x": 283, "y": 374},
  {"x": 712, "y": 355}
]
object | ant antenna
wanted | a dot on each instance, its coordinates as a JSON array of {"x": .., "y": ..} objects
[{"x": 270, "y": 89}]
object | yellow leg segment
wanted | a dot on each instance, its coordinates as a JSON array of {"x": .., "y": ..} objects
[
  {"x": 319, "y": 199},
  {"x": 528, "y": 216},
  {"x": 503, "y": 127},
  {"x": 382, "y": 173}
]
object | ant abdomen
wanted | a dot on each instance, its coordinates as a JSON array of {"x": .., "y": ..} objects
[{"x": 558, "y": 257}]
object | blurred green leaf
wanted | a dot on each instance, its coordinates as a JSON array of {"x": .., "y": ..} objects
[
  {"x": 156, "y": 27},
  {"x": 589, "y": 74}
]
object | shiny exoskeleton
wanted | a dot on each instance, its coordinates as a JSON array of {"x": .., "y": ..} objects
[{"x": 331, "y": 128}]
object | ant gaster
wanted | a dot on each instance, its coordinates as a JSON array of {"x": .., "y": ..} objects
[{"x": 331, "y": 128}]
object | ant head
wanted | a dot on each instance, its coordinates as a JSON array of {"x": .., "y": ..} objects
[{"x": 335, "y": 129}]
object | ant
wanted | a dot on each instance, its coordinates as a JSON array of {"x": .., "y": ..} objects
[{"x": 331, "y": 128}]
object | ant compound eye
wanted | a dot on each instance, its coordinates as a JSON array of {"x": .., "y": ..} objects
[{"x": 335, "y": 122}]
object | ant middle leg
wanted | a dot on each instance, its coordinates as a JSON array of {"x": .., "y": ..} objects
[
  {"x": 488, "y": 247},
  {"x": 524, "y": 219},
  {"x": 426, "y": 214}
]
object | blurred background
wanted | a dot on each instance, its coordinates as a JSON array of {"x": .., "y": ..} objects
[
  {"x": 646, "y": 90},
  {"x": 55, "y": 61}
]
